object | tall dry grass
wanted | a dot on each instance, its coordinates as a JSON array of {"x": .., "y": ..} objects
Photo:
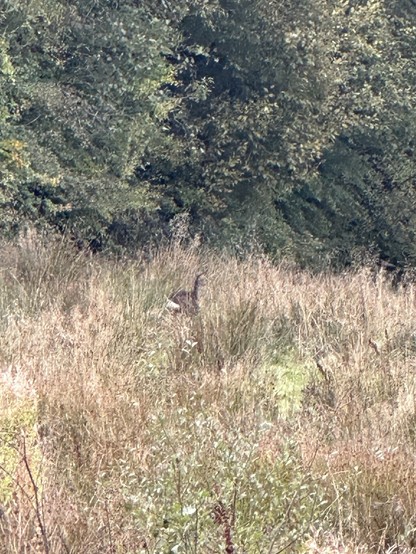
[{"x": 280, "y": 419}]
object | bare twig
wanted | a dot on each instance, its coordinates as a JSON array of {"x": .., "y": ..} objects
[{"x": 38, "y": 509}]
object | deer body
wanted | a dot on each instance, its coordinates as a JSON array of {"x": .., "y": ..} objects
[{"x": 185, "y": 301}]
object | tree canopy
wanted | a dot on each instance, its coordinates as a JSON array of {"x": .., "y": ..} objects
[{"x": 287, "y": 124}]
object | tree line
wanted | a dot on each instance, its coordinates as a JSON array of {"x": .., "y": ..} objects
[{"x": 287, "y": 125}]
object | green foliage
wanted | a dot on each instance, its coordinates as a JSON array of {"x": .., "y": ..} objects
[
  {"x": 284, "y": 86},
  {"x": 87, "y": 103},
  {"x": 19, "y": 413},
  {"x": 227, "y": 482},
  {"x": 288, "y": 125}
]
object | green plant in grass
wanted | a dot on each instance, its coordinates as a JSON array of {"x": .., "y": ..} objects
[
  {"x": 20, "y": 464},
  {"x": 207, "y": 485},
  {"x": 19, "y": 413},
  {"x": 284, "y": 380}
]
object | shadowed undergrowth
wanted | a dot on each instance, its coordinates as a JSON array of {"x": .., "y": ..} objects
[{"x": 281, "y": 418}]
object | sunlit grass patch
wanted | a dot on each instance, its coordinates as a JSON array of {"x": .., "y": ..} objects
[
  {"x": 21, "y": 486},
  {"x": 285, "y": 381},
  {"x": 18, "y": 420}
]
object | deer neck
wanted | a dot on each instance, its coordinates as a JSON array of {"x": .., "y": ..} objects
[{"x": 195, "y": 291}]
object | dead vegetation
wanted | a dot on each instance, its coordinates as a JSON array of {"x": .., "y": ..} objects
[{"x": 280, "y": 418}]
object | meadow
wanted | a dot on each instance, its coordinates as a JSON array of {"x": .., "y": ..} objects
[{"x": 281, "y": 418}]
